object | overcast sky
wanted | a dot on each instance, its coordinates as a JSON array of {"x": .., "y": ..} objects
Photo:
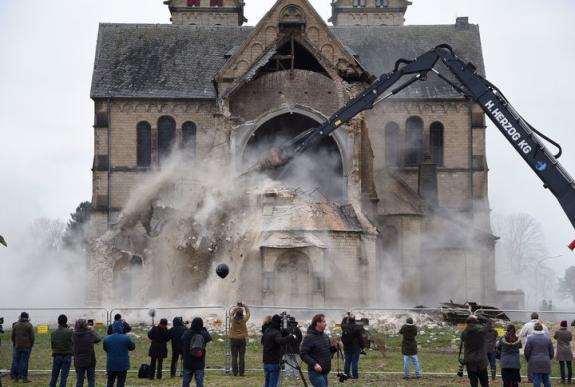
[{"x": 46, "y": 112}]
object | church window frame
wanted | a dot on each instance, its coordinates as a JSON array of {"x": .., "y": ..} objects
[
  {"x": 194, "y": 3},
  {"x": 413, "y": 141},
  {"x": 393, "y": 144},
  {"x": 166, "y": 136},
  {"x": 437, "y": 142},
  {"x": 216, "y": 3},
  {"x": 189, "y": 138},
  {"x": 143, "y": 144}
]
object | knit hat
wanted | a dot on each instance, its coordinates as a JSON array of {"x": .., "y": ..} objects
[
  {"x": 24, "y": 315},
  {"x": 409, "y": 320},
  {"x": 62, "y": 319},
  {"x": 564, "y": 323}
]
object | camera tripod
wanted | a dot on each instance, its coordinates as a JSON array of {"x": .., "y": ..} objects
[{"x": 285, "y": 362}]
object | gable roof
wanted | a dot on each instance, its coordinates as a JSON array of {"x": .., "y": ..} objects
[{"x": 181, "y": 61}]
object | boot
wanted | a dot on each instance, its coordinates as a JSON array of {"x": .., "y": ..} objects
[{"x": 493, "y": 373}]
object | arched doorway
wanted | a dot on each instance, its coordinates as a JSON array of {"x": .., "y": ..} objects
[
  {"x": 126, "y": 272},
  {"x": 293, "y": 279},
  {"x": 317, "y": 172}
]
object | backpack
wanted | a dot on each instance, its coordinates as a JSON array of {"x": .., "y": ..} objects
[
  {"x": 143, "y": 371},
  {"x": 197, "y": 345}
]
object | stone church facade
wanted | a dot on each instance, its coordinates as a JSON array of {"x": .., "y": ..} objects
[{"x": 409, "y": 212}]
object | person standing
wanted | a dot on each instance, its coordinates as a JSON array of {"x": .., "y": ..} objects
[
  {"x": 117, "y": 347},
  {"x": 84, "y": 356},
  {"x": 316, "y": 351},
  {"x": 22, "y": 343},
  {"x": 352, "y": 339},
  {"x": 194, "y": 343},
  {"x": 62, "y": 350},
  {"x": 491, "y": 342},
  {"x": 409, "y": 348},
  {"x": 539, "y": 352},
  {"x": 564, "y": 353},
  {"x": 126, "y": 327},
  {"x": 527, "y": 330},
  {"x": 291, "y": 355},
  {"x": 475, "y": 351},
  {"x": 176, "y": 332},
  {"x": 272, "y": 341},
  {"x": 510, "y": 362},
  {"x": 158, "y": 347},
  {"x": 239, "y": 316}
]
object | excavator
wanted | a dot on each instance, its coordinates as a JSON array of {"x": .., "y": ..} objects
[{"x": 523, "y": 137}]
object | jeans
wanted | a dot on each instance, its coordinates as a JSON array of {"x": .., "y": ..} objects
[
  {"x": 22, "y": 356},
  {"x": 569, "y": 370},
  {"x": 316, "y": 379},
  {"x": 351, "y": 361},
  {"x": 153, "y": 362},
  {"x": 538, "y": 378},
  {"x": 272, "y": 373},
  {"x": 492, "y": 360},
  {"x": 189, "y": 374},
  {"x": 290, "y": 365},
  {"x": 174, "y": 364},
  {"x": 60, "y": 366},
  {"x": 120, "y": 375},
  {"x": 238, "y": 347},
  {"x": 14, "y": 367},
  {"x": 478, "y": 376},
  {"x": 415, "y": 360},
  {"x": 90, "y": 375}
]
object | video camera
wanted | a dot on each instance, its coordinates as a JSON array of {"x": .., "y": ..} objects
[{"x": 288, "y": 324}]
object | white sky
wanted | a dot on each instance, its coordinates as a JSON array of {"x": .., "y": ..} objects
[{"x": 45, "y": 74}]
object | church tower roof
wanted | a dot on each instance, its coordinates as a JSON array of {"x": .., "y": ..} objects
[{"x": 207, "y": 12}]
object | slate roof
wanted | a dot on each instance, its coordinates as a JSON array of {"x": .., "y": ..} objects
[{"x": 181, "y": 61}]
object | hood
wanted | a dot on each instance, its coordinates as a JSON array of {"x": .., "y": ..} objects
[
  {"x": 197, "y": 324},
  {"x": 265, "y": 326},
  {"x": 177, "y": 322},
  {"x": 118, "y": 327}
]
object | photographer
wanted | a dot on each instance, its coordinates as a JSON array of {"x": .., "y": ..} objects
[
  {"x": 272, "y": 340},
  {"x": 409, "y": 348},
  {"x": 290, "y": 357},
  {"x": 353, "y": 344},
  {"x": 125, "y": 326},
  {"x": 176, "y": 332},
  {"x": 316, "y": 351},
  {"x": 238, "y": 335},
  {"x": 475, "y": 352}
]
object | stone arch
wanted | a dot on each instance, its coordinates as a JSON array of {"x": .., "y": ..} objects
[
  {"x": 271, "y": 34},
  {"x": 240, "y": 68},
  {"x": 313, "y": 35},
  {"x": 125, "y": 273},
  {"x": 256, "y": 50},
  {"x": 293, "y": 278},
  {"x": 327, "y": 51}
]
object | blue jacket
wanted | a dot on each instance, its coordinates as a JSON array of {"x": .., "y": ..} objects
[
  {"x": 117, "y": 346},
  {"x": 539, "y": 352}
]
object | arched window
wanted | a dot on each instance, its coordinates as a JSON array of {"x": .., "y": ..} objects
[
  {"x": 413, "y": 141},
  {"x": 436, "y": 142},
  {"x": 189, "y": 138},
  {"x": 166, "y": 136},
  {"x": 392, "y": 144},
  {"x": 144, "y": 144}
]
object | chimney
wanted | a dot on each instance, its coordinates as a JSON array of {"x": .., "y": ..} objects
[
  {"x": 427, "y": 180},
  {"x": 462, "y": 23}
]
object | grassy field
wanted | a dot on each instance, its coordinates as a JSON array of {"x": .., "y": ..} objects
[{"x": 438, "y": 355}]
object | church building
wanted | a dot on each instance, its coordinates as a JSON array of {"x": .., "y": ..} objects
[{"x": 394, "y": 208}]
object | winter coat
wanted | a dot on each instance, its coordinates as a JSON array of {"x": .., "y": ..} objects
[
  {"x": 293, "y": 346},
  {"x": 509, "y": 353},
  {"x": 176, "y": 332},
  {"x": 191, "y": 362},
  {"x": 408, "y": 342},
  {"x": 539, "y": 352},
  {"x": 238, "y": 328},
  {"x": 474, "y": 352},
  {"x": 160, "y": 337},
  {"x": 61, "y": 341},
  {"x": 316, "y": 348},
  {"x": 84, "y": 355},
  {"x": 117, "y": 346},
  {"x": 563, "y": 337},
  {"x": 352, "y": 336},
  {"x": 528, "y": 329},
  {"x": 490, "y": 340},
  {"x": 272, "y": 340},
  {"x": 125, "y": 327},
  {"x": 23, "y": 334}
]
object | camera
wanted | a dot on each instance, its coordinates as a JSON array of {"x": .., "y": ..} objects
[
  {"x": 288, "y": 324},
  {"x": 460, "y": 369},
  {"x": 342, "y": 377}
]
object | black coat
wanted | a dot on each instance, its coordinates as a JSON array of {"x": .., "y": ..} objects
[
  {"x": 159, "y": 336},
  {"x": 272, "y": 340},
  {"x": 475, "y": 351},
  {"x": 176, "y": 333},
  {"x": 127, "y": 327},
  {"x": 316, "y": 348},
  {"x": 352, "y": 336},
  {"x": 84, "y": 341},
  {"x": 191, "y": 362},
  {"x": 408, "y": 343}
]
